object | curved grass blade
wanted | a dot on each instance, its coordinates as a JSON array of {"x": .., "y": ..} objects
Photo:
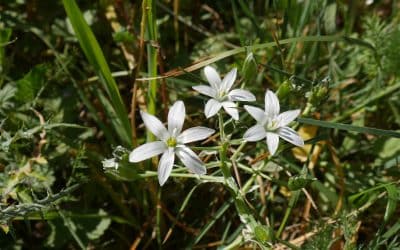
[
  {"x": 211, "y": 59},
  {"x": 393, "y": 198},
  {"x": 96, "y": 58}
]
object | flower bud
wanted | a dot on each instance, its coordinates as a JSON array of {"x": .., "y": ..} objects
[
  {"x": 284, "y": 89},
  {"x": 298, "y": 182},
  {"x": 317, "y": 95},
  {"x": 249, "y": 69},
  {"x": 262, "y": 234}
]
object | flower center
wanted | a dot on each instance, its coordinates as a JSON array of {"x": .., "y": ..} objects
[
  {"x": 271, "y": 125},
  {"x": 171, "y": 142},
  {"x": 222, "y": 96}
]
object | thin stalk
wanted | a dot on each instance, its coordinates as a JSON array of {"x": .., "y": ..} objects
[
  {"x": 292, "y": 202},
  {"x": 240, "y": 203},
  {"x": 137, "y": 71},
  {"x": 158, "y": 218},
  {"x": 238, "y": 150},
  {"x": 207, "y": 178},
  {"x": 152, "y": 60},
  {"x": 152, "y": 36}
]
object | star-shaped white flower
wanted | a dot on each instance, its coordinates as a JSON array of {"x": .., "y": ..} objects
[
  {"x": 220, "y": 93},
  {"x": 272, "y": 125},
  {"x": 172, "y": 142}
]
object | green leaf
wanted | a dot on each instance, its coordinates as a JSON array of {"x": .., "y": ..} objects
[
  {"x": 29, "y": 86},
  {"x": 96, "y": 58}
]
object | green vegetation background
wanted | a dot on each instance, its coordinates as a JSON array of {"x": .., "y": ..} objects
[{"x": 74, "y": 75}]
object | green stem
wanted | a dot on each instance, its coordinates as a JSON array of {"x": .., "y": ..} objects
[
  {"x": 240, "y": 203},
  {"x": 238, "y": 150},
  {"x": 158, "y": 217},
  {"x": 206, "y": 178},
  {"x": 292, "y": 202},
  {"x": 152, "y": 36}
]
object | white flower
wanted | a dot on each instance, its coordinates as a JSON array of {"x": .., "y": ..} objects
[
  {"x": 220, "y": 93},
  {"x": 171, "y": 143},
  {"x": 272, "y": 125}
]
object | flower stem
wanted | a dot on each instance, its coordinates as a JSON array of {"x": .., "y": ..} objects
[
  {"x": 292, "y": 202},
  {"x": 240, "y": 203}
]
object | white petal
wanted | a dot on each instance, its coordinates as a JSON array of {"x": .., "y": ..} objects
[
  {"x": 191, "y": 160},
  {"x": 288, "y": 134},
  {"x": 228, "y": 81},
  {"x": 165, "y": 165},
  {"x": 205, "y": 90},
  {"x": 212, "y": 107},
  {"x": 241, "y": 95},
  {"x": 176, "y": 117},
  {"x": 254, "y": 133},
  {"x": 257, "y": 113},
  {"x": 272, "y": 142},
  {"x": 147, "y": 151},
  {"x": 231, "y": 109},
  {"x": 271, "y": 104},
  {"x": 212, "y": 77},
  {"x": 287, "y": 117},
  {"x": 195, "y": 134},
  {"x": 154, "y": 125}
]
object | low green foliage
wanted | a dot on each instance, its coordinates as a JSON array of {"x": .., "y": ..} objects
[{"x": 74, "y": 75}]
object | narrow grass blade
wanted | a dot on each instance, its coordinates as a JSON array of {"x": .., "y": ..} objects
[
  {"x": 352, "y": 128},
  {"x": 95, "y": 56},
  {"x": 207, "y": 227},
  {"x": 393, "y": 198}
]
